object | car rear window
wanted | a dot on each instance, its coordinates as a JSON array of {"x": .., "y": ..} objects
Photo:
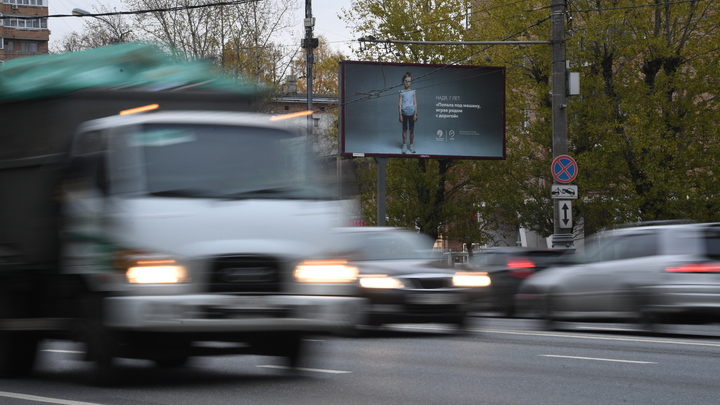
[
  {"x": 545, "y": 258},
  {"x": 711, "y": 241}
]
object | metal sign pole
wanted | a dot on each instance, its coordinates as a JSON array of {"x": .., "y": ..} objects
[
  {"x": 381, "y": 173},
  {"x": 562, "y": 237}
]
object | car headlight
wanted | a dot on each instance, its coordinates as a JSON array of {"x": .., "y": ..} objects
[
  {"x": 325, "y": 271},
  {"x": 471, "y": 280},
  {"x": 380, "y": 281},
  {"x": 143, "y": 268}
]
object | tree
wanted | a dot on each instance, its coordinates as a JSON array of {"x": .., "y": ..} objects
[
  {"x": 649, "y": 96},
  {"x": 643, "y": 131},
  {"x": 98, "y": 31},
  {"x": 415, "y": 20},
  {"x": 239, "y": 37}
]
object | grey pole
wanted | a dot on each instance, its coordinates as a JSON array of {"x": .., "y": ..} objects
[
  {"x": 309, "y": 43},
  {"x": 381, "y": 177},
  {"x": 562, "y": 237}
]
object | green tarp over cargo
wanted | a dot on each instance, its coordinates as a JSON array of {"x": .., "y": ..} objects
[{"x": 122, "y": 66}]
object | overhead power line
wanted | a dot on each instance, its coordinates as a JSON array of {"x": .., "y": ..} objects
[
  {"x": 155, "y": 10},
  {"x": 670, "y": 3}
]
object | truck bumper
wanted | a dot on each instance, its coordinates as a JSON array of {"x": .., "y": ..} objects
[{"x": 213, "y": 313}]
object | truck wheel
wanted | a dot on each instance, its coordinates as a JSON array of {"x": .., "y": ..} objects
[
  {"x": 17, "y": 354},
  {"x": 17, "y": 349},
  {"x": 101, "y": 350},
  {"x": 172, "y": 362}
]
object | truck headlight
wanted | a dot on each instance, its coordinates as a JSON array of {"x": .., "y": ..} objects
[
  {"x": 471, "y": 280},
  {"x": 325, "y": 271},
  {"x": 156, "y": 272},
  {"x": 144, "y": 268},
  {"x": 380, "y": 281}
]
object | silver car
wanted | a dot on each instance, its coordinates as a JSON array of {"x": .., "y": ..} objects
[{"x": 651, "y": 274}]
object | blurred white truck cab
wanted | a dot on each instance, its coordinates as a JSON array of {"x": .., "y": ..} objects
[{"x": 148, "y": 235}]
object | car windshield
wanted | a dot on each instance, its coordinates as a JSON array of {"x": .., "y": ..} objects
[
  {"x": 389, "y": 246},
  {"x": 539, "y": 258},
  {"x": 220, "y": 161}
]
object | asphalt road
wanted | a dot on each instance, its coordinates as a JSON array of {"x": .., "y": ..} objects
[{"x": 501, "y": 361}]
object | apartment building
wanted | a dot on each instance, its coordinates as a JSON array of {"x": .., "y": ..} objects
[{"x": 23, "y": 28}]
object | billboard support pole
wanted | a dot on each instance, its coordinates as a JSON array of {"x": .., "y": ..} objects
[
  {"x": 309, "y": 43},
  {"x": 381, "y": 174},
  {"x": 562, "y": 237}
]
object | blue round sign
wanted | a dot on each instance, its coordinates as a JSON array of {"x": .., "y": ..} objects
[{"x": 564, "y": 169}]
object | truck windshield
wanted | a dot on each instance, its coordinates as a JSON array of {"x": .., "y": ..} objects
[{"x": 220, "y": 161}]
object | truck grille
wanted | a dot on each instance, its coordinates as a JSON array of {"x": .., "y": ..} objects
[{"x": 245, "y": 274}]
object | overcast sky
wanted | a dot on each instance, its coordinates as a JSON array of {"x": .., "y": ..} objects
[{"x": 325, "y": 12}]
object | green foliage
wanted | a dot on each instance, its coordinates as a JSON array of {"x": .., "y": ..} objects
[{"x": 643, "y": 131}]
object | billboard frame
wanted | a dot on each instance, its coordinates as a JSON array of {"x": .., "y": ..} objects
[{"x": 498, "y": 137}]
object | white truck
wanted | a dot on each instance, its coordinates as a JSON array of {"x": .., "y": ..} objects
[{"x": 151, "y": 235}]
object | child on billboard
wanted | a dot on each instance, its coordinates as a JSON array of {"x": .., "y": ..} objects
[{"x": 407, "y": 108}]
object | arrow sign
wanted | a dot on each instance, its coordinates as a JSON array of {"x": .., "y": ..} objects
[{"x": 566, "y": 214}]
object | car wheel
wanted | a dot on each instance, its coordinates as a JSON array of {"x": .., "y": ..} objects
[
  {"x": 652, "y": 321},
  {"x": 507, "y": 307},
  {"x": 293, "y": 350},
  {"x": 462, "y": 324},
  {"x": 548, "y": 320},
  {"x": 290, "y": 346}
]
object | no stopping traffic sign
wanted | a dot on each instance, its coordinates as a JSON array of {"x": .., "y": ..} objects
[{"x": 564, "y": 169}]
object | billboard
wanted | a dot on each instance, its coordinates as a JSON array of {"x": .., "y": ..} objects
[{"x": 441, "y": 111}]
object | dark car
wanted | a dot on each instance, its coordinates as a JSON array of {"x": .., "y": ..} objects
[
  {"x": 404, "y": 282},
  {"x": 507, "y": 267},
  {"x": 652, "y": 274}
]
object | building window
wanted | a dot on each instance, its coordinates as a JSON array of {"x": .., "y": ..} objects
[
  {"x": 27, "y": 2},
  {"x": 29, "y": 47},
  {"x": 9, "y": 45},
  {"x": 36, "y": 23}
]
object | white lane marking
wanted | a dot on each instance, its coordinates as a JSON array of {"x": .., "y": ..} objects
[
  {"x": 597, "y": 359},
  {"x": 569, "y": 335},
  {"x": 612, "y": 329},
  {"x": 44, "y": 399},
  {"x": 619, "y": 339},
  {"x": 63, "y": 351},
  {"x": 315, "y": 370}
]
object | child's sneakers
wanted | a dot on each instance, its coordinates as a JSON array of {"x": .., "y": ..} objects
[
  {"x": 412, "y": 148},
  {"x": 404, "y": 149}
]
